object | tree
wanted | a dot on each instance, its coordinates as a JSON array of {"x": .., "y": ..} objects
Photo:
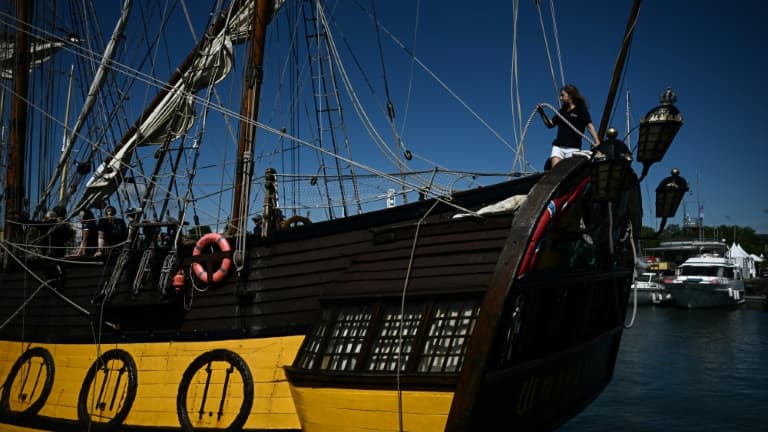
[{"x": 749, "y": 240}]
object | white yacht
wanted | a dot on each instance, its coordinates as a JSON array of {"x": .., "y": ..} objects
[
  {"x": 707, "y": 281},
  {"x": 650, "y": 291}
]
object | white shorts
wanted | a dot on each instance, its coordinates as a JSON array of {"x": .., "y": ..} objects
[{"x": 563, "y": 152}]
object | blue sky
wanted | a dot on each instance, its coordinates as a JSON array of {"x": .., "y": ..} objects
[{"x": 704, "y": 50}]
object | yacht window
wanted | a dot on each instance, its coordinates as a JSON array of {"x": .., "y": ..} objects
[{"x": 713, "y": 271}]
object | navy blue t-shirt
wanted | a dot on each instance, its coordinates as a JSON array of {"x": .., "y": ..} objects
[
  {"x": 114, "y": 230},
  {"x": 566, "y": 137}
]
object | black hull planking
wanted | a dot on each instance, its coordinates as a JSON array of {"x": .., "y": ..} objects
[{"x": 553, "y": 351}]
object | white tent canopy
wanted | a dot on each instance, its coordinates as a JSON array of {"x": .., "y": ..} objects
[{"x": 742, "y": 259}]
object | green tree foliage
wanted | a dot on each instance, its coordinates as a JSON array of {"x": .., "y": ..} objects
[{"x": 749, "y": 240}]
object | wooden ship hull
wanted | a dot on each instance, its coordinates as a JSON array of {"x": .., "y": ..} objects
[
  {"x": 308, "y": 339},
  {"x": 498, "y": 307}
]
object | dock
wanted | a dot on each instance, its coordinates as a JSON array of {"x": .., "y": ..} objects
[{"x": 756, "y": 291}]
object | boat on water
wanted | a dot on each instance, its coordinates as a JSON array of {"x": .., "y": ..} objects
[
  {"x": 465, "y": 309},
  {"x": 668, "y": 256},
  {"x": 706, "y": 281},
  {"x": 649, "y": 290}
]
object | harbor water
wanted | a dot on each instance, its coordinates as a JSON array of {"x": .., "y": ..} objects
[{"x": 686, "y": 370}]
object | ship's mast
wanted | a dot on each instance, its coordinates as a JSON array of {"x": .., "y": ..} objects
[
  {"x": 14, "y": 193},
  {"x": 249, "y": 111},
  {"x": 618, "y": 69}
]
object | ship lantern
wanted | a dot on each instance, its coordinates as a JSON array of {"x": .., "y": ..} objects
[
  {"x": 668, "y": 196},
  {"x": 657, "y": 130},
  {"x": 611, "y": 163}
]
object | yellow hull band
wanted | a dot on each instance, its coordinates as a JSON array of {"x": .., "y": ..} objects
[
  {"x": 347, "y": 410},
  {"x": 159, "y": 371},
  {"x": 12, "y": 428}
]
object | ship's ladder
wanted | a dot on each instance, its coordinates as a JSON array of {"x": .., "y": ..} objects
[{"x": 329, "y": 117}]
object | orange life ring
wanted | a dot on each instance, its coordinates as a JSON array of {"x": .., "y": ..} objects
[
  {"x": 226, "y": 264},
  {"x": 294, "y": 221}
]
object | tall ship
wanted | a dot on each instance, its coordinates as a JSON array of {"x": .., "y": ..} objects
[{"x": 410, "y": 300}]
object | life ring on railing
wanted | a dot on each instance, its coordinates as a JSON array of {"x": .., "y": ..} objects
[
  {"x": 294, "y": 220},
  {"x": 220, "y": 274}
]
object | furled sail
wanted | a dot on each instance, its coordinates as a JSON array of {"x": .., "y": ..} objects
[
  {"x": 172, "y": 113},
  {"x": 40, "y": 51}
]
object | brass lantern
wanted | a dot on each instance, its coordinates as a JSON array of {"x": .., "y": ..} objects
[
  {"x": 657, "y": 130},
  {"x": 611, "y": 162},
  {"x": 669, "y": 194}
]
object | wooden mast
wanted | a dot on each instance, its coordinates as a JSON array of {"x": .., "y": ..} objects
[
  {"x": 249, "y": 111},
  {"x": 618, "y": 68},
  {"x": 14, "y": 193},
  {"x": 505, "y": 275}
]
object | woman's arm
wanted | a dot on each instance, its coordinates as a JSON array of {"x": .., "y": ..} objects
[
  {"x": 83, "y": 243},
  {"x": 102, "y": 243},
  {"x": 547, "y": 122},
  {"x": 593, "y": 132}
]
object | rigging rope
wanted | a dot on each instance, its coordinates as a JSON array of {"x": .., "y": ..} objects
[
  {"x": 340, "y": 112},
  {"x": 274, "y": 131},
  {"x": 517, "y": 113},
  {"x": 521, "y": 145},
  {"x": 546, "y": 47},
  {"x": 140, "y": 77},
  {"x": 439, "y": 81},
  {"x": 381, "y": 54},
  {"x": 367, "y": 123},
  {"x": 557, "y": 42},
  {"x": 390, "y": 106},
  {"x": 402, "y": 313},
  {"x": 363, "y": 116},
  {"x": 26, "y": 302},
  {"x": 634, "y": 260},
  {"x": 372, "y": 170},
  {"x": 3, "y": 244},
  {"x": 412, "y": 68}
]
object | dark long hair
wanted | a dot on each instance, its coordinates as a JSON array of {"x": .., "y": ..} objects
[{"x": 573, "y": 92}]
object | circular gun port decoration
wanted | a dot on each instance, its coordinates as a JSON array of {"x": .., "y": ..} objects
[
  {"x": 28, "y": 384},
  {"x": 216, "y": 391},
  {"x": 108, "y": 391}
]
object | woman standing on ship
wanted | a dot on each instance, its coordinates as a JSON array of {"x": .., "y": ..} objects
[{"x": 574, "y": 110}]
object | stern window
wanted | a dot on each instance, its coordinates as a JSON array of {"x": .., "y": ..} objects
[
  {"x": 385, "y": 347},
  {"x": 345, "y": 341},
  {"x": 448, "y": 337}
]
